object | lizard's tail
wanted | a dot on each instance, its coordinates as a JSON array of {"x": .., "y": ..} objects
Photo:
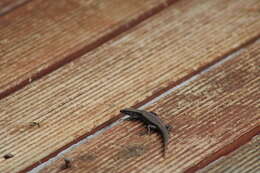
[
  {"x": 165, "y": 144},
  {"x": 164, "y": 150}
]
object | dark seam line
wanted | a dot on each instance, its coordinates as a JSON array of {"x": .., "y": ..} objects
[
  {"x": 242, "y": 140},
  {"x": 12, "y": 7},
  {"x": 89, "y": 47},
  {"x": 155, "y": 94}
]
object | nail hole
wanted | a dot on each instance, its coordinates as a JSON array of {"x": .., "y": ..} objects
[
  {"x": 8, "y": 156},
  {"x": 32, "y": 124}
]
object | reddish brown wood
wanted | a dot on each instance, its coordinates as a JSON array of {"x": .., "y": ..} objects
[
  {"x": 45, "y": 35},
  {"x": 244, "y": 159},
  {"x": 78, "y": 98},
  {"x": 226, "y": 150}
]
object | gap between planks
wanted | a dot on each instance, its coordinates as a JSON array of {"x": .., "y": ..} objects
[
  {"x": 242, "y": 160},
  {"x": 242, "y": 140},
  {"x": 89, "y": 47}
]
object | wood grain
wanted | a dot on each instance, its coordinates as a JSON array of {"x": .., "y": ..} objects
[
  {"x": 9, "y": 5},
  {"x": 207, "y": 114},
  {"x": 43, "y": 35},
  {"x": 88, "y": 92},
  {"x": 245, "y": 159}
]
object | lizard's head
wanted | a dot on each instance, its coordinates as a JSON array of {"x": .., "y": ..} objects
[{"x": 131, "y": 112}]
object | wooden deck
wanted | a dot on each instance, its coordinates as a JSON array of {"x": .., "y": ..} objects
[
  {"x": 245, "y": 159},
  {"x": 72, "y": 65}
]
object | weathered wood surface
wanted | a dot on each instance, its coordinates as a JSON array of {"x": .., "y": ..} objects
[
  {"x": 86, "y": 93},
  {"x": 207, "y": 114},
  {"x": 9, "y": 5},
  {"x": 43, "y": 35},
  {"x": 245, "y": 159}
]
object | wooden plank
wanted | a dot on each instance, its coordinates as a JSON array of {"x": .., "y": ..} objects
[
  {"x": 245, "y": 159},
  {"x": 45, "y": 34},
  {"x": 128, "y": 70},
  {"x": 9, "y": 5},
  {"x": 207, "y": 114}
]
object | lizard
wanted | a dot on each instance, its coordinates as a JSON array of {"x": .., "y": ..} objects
[{"x": 152, "y": 121}]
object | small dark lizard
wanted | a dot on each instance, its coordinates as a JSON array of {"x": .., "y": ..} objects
[{"x": 152, "y": 121}]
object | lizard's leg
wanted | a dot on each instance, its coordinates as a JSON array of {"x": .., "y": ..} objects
[
  {"x": 151, "y": 128},
  {"x": 132, "y": 118},
  {"x": 154, "y": 113},
  {"x": 169, "y": 127}
]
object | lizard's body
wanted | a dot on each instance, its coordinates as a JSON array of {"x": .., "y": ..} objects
[{"x": 151, "y": 120}]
